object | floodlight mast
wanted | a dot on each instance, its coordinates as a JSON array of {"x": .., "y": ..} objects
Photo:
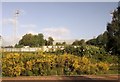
[{"x": 16, "y": 14}]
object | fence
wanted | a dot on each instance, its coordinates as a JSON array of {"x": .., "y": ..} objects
[
  {"x": 20, "y": 49},
  {"x": 44, "y": 48}
]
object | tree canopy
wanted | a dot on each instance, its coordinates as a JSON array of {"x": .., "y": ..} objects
[
  {"x": 110, "y": 39},
  {"x": 79, "y": 42},
  {"x": 113, "y": 33},
  {"x": 34, "y": 40}
]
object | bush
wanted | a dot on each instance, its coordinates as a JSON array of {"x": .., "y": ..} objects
[
  {"x": 14, "y": 64},
  {"x": 87, "y": 50}
]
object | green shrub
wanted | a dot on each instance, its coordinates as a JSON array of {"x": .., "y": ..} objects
[{"x": 14, "y": 64}]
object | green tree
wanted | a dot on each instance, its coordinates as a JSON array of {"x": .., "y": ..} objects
[
  {"x": 58, "y": 43},
  {"x": 27, "y": 40},
  {"x": 105, "y": 39},
  {"x": 82, "y": 42},
  {"x": 100, "y": 41},
  {"x": 46, "y": 42},
  {"x": 79, "y": 42},
  {"x": 113, "y": 33},
  {"x": 35, "y": 41},
  {"x": 18, "y": 46},
  {"x": 41, "y": 40},
  {"x": 92, "y": 41},
  {"x": 64, "y": 43},
  {"x": 76, "y": 42},
  {"x": 50, "y": 41},
  {"x": 32, "y": 40}
]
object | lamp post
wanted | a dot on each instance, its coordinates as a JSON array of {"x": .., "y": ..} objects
[{"x": 16, "y": 14}]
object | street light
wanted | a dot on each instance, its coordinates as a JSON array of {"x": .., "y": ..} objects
[{"x": 16, "y": 14}]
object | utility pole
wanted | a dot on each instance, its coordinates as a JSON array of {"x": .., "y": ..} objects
[{"x": 16, "y": 14}]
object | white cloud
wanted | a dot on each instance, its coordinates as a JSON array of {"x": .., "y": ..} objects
[
  {"x": 32, "y": 32},
  {"x": 60, "y": 33},
  {"x": 56, "y": 33},
  {"x": 6, "y": 40}
]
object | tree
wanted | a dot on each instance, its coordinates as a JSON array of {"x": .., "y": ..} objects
[
  {"x": 18, "y": 46},
  {"x": 32, "y": 40},
  {"x": 46, "y": 42},
  {"x": 58, "y": 43},
  {"x": 79, "y": 42},
  {"x": 27, "y": 40},
  {"x": 50, "y": 41},
  {"x": 113, "y": 33},
  {"x": 105, "y": 39},
  {"x": 102, "y": 39},
  {"x": 82, "y": 42},
  {"x": 41, "y": 40},
  {"x": 92, "y": 42},
  {"x": 76, "y": 42},
  {"x": 35, "y": 41},
  {"x": 64, "y": 43}
]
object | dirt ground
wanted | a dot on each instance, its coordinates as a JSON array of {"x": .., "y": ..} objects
[{"x": 81, "y": 77}]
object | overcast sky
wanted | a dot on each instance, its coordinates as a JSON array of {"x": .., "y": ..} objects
[{"x": 62, "y": 21}]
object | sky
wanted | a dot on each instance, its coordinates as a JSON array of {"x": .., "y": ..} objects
[{"x": 60, "y": 20}]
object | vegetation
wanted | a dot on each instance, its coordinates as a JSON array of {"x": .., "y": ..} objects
[
  {"x": 77, "y": 42},
  {"x": 100, "y": 41},
  {"x": 69, "y": 61},
  {"x": 58, "y": 43},
  {"x": 14, "y": 64},
  {"x": 96, "y": 56},
  {"x": 113, "y": 31},
  {"x": 34, "y": 41},
  {"x": 110, "y": 39}
]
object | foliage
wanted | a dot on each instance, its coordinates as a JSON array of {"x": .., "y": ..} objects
[
  {"x": 113, "y": 33},
  {"x": 34, "y": 41},
  {"x": 63, "y": 43},
  {"x": 27, "y": 40},
  {"x": 88, "y": 50},
  {"x": 92, "y": 42},
  {"x": 79, "y": 42},
  {"x": 50, "y": 41},
  {"x": 99, "y": 41},
  {"x": 14, "y": 64},
  {"x": 18, "y": 46},
  {"x": 110, "y": 39}
]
